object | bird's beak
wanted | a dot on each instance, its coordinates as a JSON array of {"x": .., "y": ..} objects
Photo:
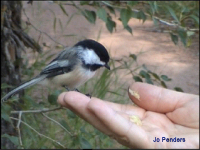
[{"x": 108, "y": 67}]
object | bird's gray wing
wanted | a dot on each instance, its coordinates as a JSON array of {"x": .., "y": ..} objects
[{"x": 63, "y": 63}]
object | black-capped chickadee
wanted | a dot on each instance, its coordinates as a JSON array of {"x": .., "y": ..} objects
[{"x": 71, "y": 68}]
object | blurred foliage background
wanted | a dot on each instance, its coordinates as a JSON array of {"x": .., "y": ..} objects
[{"x": 61, "y": 128}]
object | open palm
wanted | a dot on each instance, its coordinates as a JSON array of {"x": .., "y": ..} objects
[{"x": 162, "y": 113}]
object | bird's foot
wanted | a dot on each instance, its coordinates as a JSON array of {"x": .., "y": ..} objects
[
  {"x": 77, "y": 90},
  {"x": 88, "y": 95},
  {"x": 66, "y": 88}
]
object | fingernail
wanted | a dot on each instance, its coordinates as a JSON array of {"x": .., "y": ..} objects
[{"x": 134, "y": 93}]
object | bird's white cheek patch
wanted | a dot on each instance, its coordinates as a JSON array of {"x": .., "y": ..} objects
[{"x": 90, "y": 57}]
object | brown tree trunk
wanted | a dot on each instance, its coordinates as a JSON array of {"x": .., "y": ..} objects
[
  {"x": 10, "y": 14},
  {"x": 13, "y": 41}
]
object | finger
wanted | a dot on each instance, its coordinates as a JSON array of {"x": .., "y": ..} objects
[
  {"x": 126, "y": 132},
  {"x": 157, "y": 99},
  {"x": 187, "y": 115},
  {"x": 77, "y": 103}
]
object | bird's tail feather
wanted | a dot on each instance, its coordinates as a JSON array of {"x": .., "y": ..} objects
[{"x": 24, "y": 86}]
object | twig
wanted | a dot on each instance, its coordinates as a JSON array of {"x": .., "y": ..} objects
[
  {"x": 157, "y": 18},
  {"x": 18, "y": 41},
  {"x": 67, "y": 4},
  {"x": 38, "y": 132},
  {"x": 8, "y": 58},
  {"x": 18, "y": 129},
  {"x": 39, "y": 37},
  {"x": 18, "y": 35},
  {"x": 40, "y": 30},
  {"x": 36, "y": 111},
  {"x": 57, "y": 123}
]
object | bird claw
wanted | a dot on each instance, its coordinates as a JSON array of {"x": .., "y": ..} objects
[
  {"x": 77, "y": 90},
  {"x": 88, "y": 95},
  {"x": 66, "y": 87}
]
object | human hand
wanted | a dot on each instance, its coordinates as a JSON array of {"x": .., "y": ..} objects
[{"x": 161, "y": 113}]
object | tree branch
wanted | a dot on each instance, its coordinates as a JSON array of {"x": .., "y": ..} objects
[
  {"x": 40, "y": 30},
  {"x": 157, "y": 18},
  {"x": 39, "y": 133},
  {"x": 36, "y": 111},
  {"x": 18, "y": 129},
  {"x": 57, "y": 123}
]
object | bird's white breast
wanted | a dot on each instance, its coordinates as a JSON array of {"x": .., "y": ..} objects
[{"x": 72, "y": 79}]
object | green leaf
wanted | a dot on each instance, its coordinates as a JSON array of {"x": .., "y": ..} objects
[
  {"x": 90, "y": 16},
  {"x": 165, "y": 78},
  {"x": 155, "y": 75},
  {"x": 99, "y": 34},
  {"x": 69, "y": 20},
  {"x": 152, "y": 6},
  {"x": 112, "y": 10},
  {"x": 171, "y": 11},
  {"x": 183, "y": 35},
  {"x": 57, "y": 92},
  {"x": 174, "y": 38},
  {"x": 144, "y": 66},
  {"x": 163, "y": 84},
  {"x": 189, "y": 42},
  {"x": 52, "y": 99},
  {"x": 6, "y": 117},
  {"x": 133, "y": 56},
  {"x": 155, "y": 6},
  {"x": 85, "y": 144},
  {"x": 83, "y": 130},
  {"x": 141, "y": 15},
  {"x": 134, "y": 15},
  {"x": 63, "y": 9},
  {"x": 195, "y": 18},
  {"x": 64, "y": 124},
  {"x": 132, "y": 3},
  {"x": 115, "y": 93},
  {"x": 13, "y": 139},
  {"x": 148, "y": 80},
  {"x": 190, "y": 33},
  {"x": 144, "y": 74},
  {"x": 137, "y": 79},
  {"x": 54, "y": 24},
  {"x": 29, "y": 100},
  {"x": 178, "y": 89},
  {"x": 61, "y": 25},
  {"x": 5, "y": 112},
  {"x": 155, "y": 21},
  {"x": 71, "y": 114},
  {"x": 101, "y": 12},
  {"x": 110, "y": 25},
  {"x": 125, "y": 16},
  {"x": 5, "y": 86},
  {"x": 128, "y": 28},
  {"x": 84, "y": 2}
]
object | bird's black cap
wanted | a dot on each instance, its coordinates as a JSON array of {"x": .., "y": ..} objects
[{"x": 99, "y": 49}]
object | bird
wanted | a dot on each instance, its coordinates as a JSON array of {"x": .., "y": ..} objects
[{"x": 71, "y": 68}]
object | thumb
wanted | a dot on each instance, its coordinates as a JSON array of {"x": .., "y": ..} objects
[{"x": 157, "y": 99}]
